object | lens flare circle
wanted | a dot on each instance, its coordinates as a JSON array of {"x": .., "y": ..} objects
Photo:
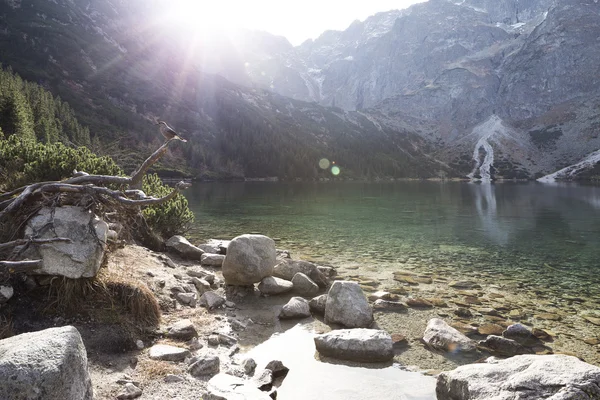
[
  {"x": 323, "y": 163},
  {"x": 335, "y": 170}
]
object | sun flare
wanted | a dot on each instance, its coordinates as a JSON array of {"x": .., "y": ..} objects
[{"x": 201, "y": 16}]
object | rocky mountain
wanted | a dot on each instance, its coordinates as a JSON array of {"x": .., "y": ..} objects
[{"x": 480, "y": 88}]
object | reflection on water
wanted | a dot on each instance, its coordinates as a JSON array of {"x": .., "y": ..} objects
[
  {"x": 510, "y": 228},
  {"x": 310, "y": 379}
]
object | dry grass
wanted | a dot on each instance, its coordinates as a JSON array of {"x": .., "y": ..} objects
[{"x": 148, "y": 370}]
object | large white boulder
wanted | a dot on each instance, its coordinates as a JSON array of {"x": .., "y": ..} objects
[
  {"x": 48, "y": 364},
  {"x": 526, "y": 377},
  {"x": 80, "y": 258},
  {"x": 347, "y": 305},
  {"x": 249, "y": 259},
  {"x": 363, "y": 345},
  {"x": 441, "y": 336}
]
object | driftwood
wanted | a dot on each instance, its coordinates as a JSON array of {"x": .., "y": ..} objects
[{"x": 87, "y": 189}]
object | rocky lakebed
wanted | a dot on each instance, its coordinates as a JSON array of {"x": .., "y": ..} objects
[{"x": 242, "y": 319}]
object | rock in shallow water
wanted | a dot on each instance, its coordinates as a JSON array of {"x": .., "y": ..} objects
[
  {"x": 363, "y": 345},
  {"x": 441, "y": 336},
  {"x": 526, "y": 377},
  {"x": 347, "y": 305},
  {"x": 503, "y": 346}
]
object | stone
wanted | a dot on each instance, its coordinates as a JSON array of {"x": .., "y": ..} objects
[
  {"x": 329, "y": 272},
  {"x": 384, "y": 305},
  {"x": 204, "y": 365},
  {"x": 229, "y": 387},
  {"x": 441, "y": 336},
  {"x": 249, "y": 259},
  {"x": 382, "y": 295},
  {"x": 464, "y": 285},
  {"x": 417, "y": 302},
  {"x": 277, "y": 368},
  {"x": 297, "y": 307},
  {"x": 80, "y": 258},
  {"x": 184, "y": 248},
  {"x": 201, "y": 285},
  {"x": 550, "y": 317},
  {"x": 347, "y": 305},
  {"x": 399, "y": 340},
  {"x": 249, "y": 366},
  {"x": 463, "y": 313},
  {"x": 490, "y": 329},
  {"x": 303, "y": 285},
  {"x": 463, "y": 328},
  {"x": 521, "y": 334},
  {"x": 437, "y": 302},
  {"x": 286, "y": 269},
  {"x": 226, "y": 340},
  {"x": 503, "y": 346},
  {"x": 542, "y": 335},
  {"x": 264, "y": 379},
  {"x": 170, "y": 378},
  {"x": 524, "y": 377},
  {"x": 272, "y": 285},
  {"x": 211, "y": 300},
  {"x": 212, "y": 260},
  {"x": 165, "y": 352},
  {"x": 207, "y": 276},
  {"x": 6, "y": 293},
  {"x": 593, "y": 320},
  {"x": 130, "y": 391},
  {"x": 49, "y": 364},
  {"x": 362, "y": 345},
  {"x": 190, "y": 299},
  {"x": 317, "y": 304},
  {"x": 182, "y": 330}
]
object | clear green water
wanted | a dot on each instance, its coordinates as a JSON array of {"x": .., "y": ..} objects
[{"x": 534, "y": 233}]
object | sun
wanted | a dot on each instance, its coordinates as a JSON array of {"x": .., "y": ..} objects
[{"x": 200, "y": 16}]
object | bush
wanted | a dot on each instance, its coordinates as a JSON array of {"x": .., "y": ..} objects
[
  {"x": 25, "y": 161},
  {"x": 167, "y": 219}
]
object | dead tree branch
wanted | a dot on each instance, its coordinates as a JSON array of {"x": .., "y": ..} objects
[
  {"x": 21, "y": 242},
  {"x": 14, "y": 267}
]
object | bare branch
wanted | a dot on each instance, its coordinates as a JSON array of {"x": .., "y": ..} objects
[
  {"x": 137, "y": 176},
  {"x": 19, "y": 266},
  {"x": 21, "y": 242}
]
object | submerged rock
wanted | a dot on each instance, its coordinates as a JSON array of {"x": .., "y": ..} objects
[
  {"x": 503, "y": 346},
  {"x": 49, "y": 364},
  {"x": 441, "y": 336},
  {"x": 286, "y": 269},
  {"x": 249, "y": 259},
  {"x": 521, "y": 334},
  {"x": 526, "y": 377},
  {"x": 363, "y": 345},
  {"x": 347, "y": 305}
]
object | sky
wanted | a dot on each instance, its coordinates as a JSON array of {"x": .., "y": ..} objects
[{"x": 296, "y": 20}]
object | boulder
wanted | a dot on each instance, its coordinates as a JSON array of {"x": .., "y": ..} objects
[
  {"x": 303, "y": 285},
  {"x": 272, "y": 285},
  {"x": 286, "y": 269},
  {"x": 347, "y": 305},
  {"x": 48, "y": 364},
  {"x": 249, "y": 366},
  {"x": 441, "y": 336},
  {"x": 249, "y": 259},
  {"x": 363, "y": 345},
  {"x": 229, "y": 387},
  {"x": 204, "y": 365},
  {"x": 521, "y": 334},
  {"x": 525, "y": 377},
  {"x": 165, "y": 352},
  {"x": 6, "y": 293},
  {"x": 211, "y": 300},
  {"x": 182, "y": 330},
  {"x": 317, "y": 304},
  {"x": 503, "y": 346},
  {"x": 184, "y": 248},
  {"x": 212, "y": 260},
  {"x": 297, "y": 307},
  {"x": 80, "y": 258}
]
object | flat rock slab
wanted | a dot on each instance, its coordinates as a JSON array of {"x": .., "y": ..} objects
[
  {"x": 49, "y": 364},
  {"x": 526, "y": 377},
  {"x": 229, "y": 387},
  {"x": 164, "y": 352},
  {"x": 212, "y": 260},
  {"x": 184, "y": 248},
  {"x": 182, "y": 330},
  {"x": 363, "y": 345}
]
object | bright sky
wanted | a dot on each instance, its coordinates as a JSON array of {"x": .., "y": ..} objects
[{"x": 296, "y": 20}]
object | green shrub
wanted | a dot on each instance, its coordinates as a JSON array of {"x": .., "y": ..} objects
[
  {"x": 170, "y": 218},
  {"x": 25, "y": 161}
]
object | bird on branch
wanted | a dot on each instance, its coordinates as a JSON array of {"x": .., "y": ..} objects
[{"x": 168, "y": 132}]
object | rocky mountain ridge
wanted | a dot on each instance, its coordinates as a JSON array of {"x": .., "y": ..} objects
[{"x": 403, "y": 93}]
